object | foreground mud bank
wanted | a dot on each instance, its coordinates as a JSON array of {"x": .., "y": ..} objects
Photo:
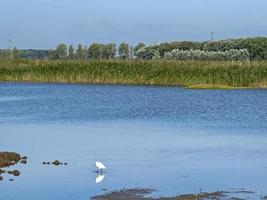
[{"x": 145, "y": 194}]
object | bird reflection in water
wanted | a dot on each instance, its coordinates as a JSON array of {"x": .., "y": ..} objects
[{"x": 99, "y": 178}]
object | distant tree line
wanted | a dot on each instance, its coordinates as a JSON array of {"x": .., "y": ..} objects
[
  {"x": 241, "y": 49},
  {"x": 23, "y": 53},
  {"x": 94, "y": 51},
  {"x": 256, "y": 47},
  {"x": 82, "y": 52}
]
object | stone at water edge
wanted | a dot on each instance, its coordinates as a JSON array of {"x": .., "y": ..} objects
[
  {"x": 14, "y": 172},
  {"x": 23, "y": 161},
  {"x": 56, "y": 162}
]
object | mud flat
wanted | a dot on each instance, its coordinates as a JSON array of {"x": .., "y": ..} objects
[{"x": 145, "y": 194}]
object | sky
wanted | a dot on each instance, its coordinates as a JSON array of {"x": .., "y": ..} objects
[{"x": 42, "y": 24}]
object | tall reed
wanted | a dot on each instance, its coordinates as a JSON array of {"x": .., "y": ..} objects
[{"x": 157, "y": 72}]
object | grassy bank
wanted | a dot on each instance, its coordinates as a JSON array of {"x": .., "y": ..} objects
[{"x": 192, "y": 74}]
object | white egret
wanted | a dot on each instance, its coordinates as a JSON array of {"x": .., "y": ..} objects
[{"x": 100, "y": 166}]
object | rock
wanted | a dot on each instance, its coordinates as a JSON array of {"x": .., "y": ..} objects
[
  {"x": 8, "y": 158},
  {"x": 11, "y": 179},
  {"x": 2, "y": 171},
  {"x": 56, "y": 162},
  {"x": 12, "y": 163},
  {"x": 1, "y": 178},
  {"x": 23, "y": 161},
  {"x": 14, "y": 172}
]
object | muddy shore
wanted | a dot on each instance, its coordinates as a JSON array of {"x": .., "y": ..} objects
[{"x": 145, "y": 194}]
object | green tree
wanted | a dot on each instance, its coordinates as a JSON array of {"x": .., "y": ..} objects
[
  {"x": 124, "y": 50},
  {"x": 112, "y": 50},
  {"x": 102, "y": 51},
  {"x": 4, "y": 54},
  {"x": 80, "y": 52},
  {"x": 95, "y": 51},
  {"x": 15, "y": 53},
  {"x": 71, "y": 52},
  {"x": 62, "y": 51},
  {"x": 131, "y": 54},
  {"x": 85, "y": 53},
  {"x": 52, "y": 54},
  {"x": 137, "y": 47}
]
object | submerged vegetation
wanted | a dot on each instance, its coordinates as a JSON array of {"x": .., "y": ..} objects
[{"x": 157, "y": 72}]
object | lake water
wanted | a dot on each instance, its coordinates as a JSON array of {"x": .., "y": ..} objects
[{"x": 172, "y": 139}]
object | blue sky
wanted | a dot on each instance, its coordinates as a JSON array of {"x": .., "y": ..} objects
[{"x": 45, "y": 23}]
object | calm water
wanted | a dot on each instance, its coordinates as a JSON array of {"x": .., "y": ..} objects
[{"x": 169, "y": 138}]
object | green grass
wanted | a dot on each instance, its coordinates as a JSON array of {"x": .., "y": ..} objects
[{"x": 192, "y": 74}]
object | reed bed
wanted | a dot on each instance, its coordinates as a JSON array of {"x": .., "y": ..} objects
[{"x": 224, "y": 74}]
